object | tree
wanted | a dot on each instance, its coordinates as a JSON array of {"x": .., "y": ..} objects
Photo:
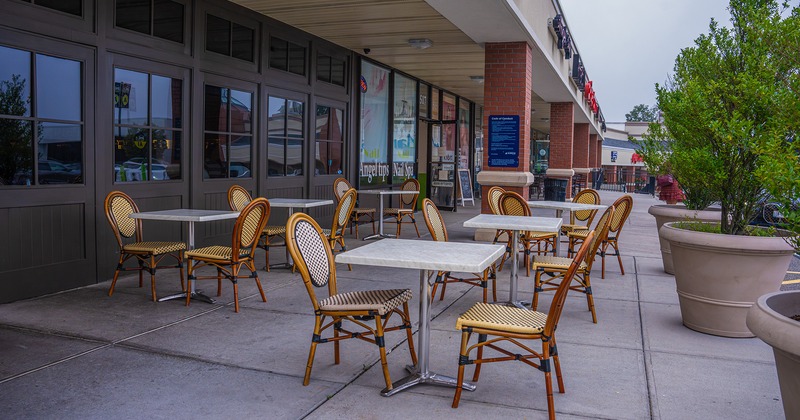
[
  {"x": 732, "y": 100},
  {"x": 16, "y": 147},
  {"x": 643, "y": 112}
]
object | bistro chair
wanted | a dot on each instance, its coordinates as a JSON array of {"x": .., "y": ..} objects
[
  {"x": 556, "y": 267},
  {"x": 513, "y": 204},
  {"x": 408, "y": 204},
  {"x": 340, "y": 186},
  {"x": 494, "y": 195},
  {"x": 344, "y": 209},
  {"x": 118, "y": 206},
  {"x": 623, "y": 207},
  {"x": 582, "y": 219},
  {"x": 238, "y": 199},
  {"x": 496, "y": 324},
  {"x": 438, "y": 230},
  {"x": 312, "y": 255},
  {"x": 230, "y": 260}
]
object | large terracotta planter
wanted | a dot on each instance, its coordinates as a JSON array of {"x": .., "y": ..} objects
[
  {"x": 719, "y": 277},
  {"x": 675, "y": 213},
  {"x": 770, "y": 320}
]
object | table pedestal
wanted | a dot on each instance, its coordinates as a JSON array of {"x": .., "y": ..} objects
[
  {"x": 380, "y": 233},
  {"x": 420, "y": 373}
]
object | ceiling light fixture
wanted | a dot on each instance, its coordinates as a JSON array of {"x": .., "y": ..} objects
[
  {"x": 476, "y": 79},
  {"x": 420, "y": 43}
]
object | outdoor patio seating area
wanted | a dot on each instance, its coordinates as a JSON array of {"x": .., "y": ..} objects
[{"x": 83, "y": 354}]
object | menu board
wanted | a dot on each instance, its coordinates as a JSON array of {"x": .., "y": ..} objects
[
  {"x": 504, "y": 141},
  {"x": 465, "y": 185}
]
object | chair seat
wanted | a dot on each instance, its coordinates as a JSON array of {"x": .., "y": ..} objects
[
  {"x": 395, "y": 210},
  {"x": 155, "y": 248},
  {"x": 568, "y": 227},
  {"x": 558, "y": 263},
  {"x": 380, "y": 301},
  {"x": 275, "y": 230},
  {"x": 214, "y": 252},
  {"x": 540, "y": 235},
  {"x": 364, "y": 210},
  {"x": 579, "y": 233},
  {"x": 502, "y": 318}
]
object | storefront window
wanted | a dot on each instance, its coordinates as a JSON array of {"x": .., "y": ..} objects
[
  {"x": 404, "y": 140},
  {"x": 287, "y": 56},
  {"x": 41, "y": 122},
  {"x": 229, "y": 38},
  {"x": 227, "y": 147},
  {"x": 463, "y": 134},
  {"x": 330, "y": 141},
  {"x": 148, "y": 112},
  {"x": 73, "y": 7},
  {"x": 374, "y": 85},
  {"x": 286, "y": 137},
  {"x": 159, "y": 18},
  {"x": 330, "y": 69}
]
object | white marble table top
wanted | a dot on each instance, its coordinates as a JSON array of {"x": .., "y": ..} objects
[
  {"x": 496, "y": 221},
  {"x": 384, "y": 192},
  {"x": 424, "y": 255},
  {"x": 565, "y": 205},
  {"x": 186, "y": 215},
  {"x": 298, "y": 202}
]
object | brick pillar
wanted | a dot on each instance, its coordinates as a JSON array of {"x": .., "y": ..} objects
[
  {"x": 507, "y": 91},
  {"x": 562, "y": 128},
  {"x": 580, "y": 146},
  {"x": 594, "y": 156}
]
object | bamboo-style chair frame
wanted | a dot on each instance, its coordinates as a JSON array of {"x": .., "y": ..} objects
[
  {"x": 341, "y": 217},
  {"x": 623, "y": 207},
  {"x": 512, "y": 325},
  {"x": 314, "y": 259},
  {"x": 438, "y": 230},
  {"x": 238, "y": 198},
  {"x": 229, "y": 261},
  {"x": 408, "y": 205},
  {"x": 118, "y": 206},
  {"x": 582, "y": 219},
  {"x": 556, "y": 267},
  {"x": 513, "y": 204},
  {"x": 340, "y": 186}
]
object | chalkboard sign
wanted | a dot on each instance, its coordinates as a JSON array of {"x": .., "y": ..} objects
[
  {"x": 465, "y": 187},
  {"x": 504, "y": 141}
]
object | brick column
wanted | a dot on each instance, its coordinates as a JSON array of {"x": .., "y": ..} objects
[
  {"x": 594, "y": 156},
  {"x": 562, "y": 128},
  {"x": 507, "y": 91}
]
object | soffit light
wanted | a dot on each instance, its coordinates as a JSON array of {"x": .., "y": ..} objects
[
  {"x": 420, "y": 43},
  {"x": 476, "y": 79}
]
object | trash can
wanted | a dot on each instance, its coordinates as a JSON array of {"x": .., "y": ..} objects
[
  {"x": 555, "y": 189},
  {"x": 597, "y": 179}
]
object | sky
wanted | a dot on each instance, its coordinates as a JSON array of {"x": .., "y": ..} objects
[{"x": 627, "y": 46}]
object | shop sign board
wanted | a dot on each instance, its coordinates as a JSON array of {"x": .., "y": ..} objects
[{"x": 503, "y": 141}]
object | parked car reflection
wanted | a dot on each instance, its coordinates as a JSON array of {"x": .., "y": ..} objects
[{"x": 136, "y": 169}]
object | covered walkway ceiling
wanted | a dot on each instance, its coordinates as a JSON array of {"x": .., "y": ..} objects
[{"x": 385, "y": 26}]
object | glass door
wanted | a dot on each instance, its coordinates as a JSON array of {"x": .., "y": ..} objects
[{"x": 442, "y": 172}]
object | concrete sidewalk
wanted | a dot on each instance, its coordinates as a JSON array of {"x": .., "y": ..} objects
[{"x": 82, "y": 354}]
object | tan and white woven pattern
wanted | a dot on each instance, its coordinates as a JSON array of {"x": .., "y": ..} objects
[
  {"x": 215, "y": 252},
  {"x": 558, "y": 263},
  {"x": 121, "y": 208},
  {"x": 250, "y": 225},
  {"x": 380, "y": 301},
  {"x": 311, "y": 247},
  {"x": 434, "y": 220},
  {"x": 155, "y": 248},
  {"x": 238, "y": 198},
  {"x": 502, "y": 318}
]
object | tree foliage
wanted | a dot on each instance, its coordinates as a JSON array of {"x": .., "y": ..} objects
[
  {"x": 732, "y": 105},
  {"x": 16, "y": 148},
  {"x": 642, "y": 112}
]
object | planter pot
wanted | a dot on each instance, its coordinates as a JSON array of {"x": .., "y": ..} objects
[
  {"x": 770, "y": 320},
  {"x": 670, "y": 213},
  {"x": 719, "y": 277}
]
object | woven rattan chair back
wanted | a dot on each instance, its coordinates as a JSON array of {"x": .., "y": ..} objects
[
  {"x": 434, "y": 221},
  {"x": 238, "y": 197},
  {"x": 409, "y": 200},
  {"x": 251, "y": 222},
  {"x": 622, "y": 209},
  {"x": 340, "y": 186},
  {"x": 513, "y": 204},
  {"x": 561, "y": 293},
  {"x": 587, "y": 196},
  {"x": 494, "y": 194},
  {"x": 601, "y": 231},
  {"x": 118, "y": 206},
  {"x": 343, "y": 210},
  {"x": 311, "y": 253}
]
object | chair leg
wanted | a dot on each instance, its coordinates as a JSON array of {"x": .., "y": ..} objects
[
  {"x": 460, "y": 378},
  {"x": 312, "y": 351},
  {"x": 180, "y": 265},
  {"x": 252, "y": 267},
  {"x": 407, "y": 323},
  {"x": 537, "y": 287},
  {"x": 219, "y": 282},
  {"x": 589, "y": 296},
  {"x": 478, "y": 356},
  {"x": 116, "y": 276},
  {"x": 414, "y": 221},
  {"x": 556, "y": 364},
  {"x": 494, "y": 284},
  {"x": 266, "y": 254},
  {"x": 152, "y": 271},
  {"x": 382, "y": 349},
  {"x": 548, "y": 383},
  {"x": 141, "y": 265},
  {"x": 619, "y": 257},
  {"x": 399, "y": 224},
  {"x": 189, "y": 278},
  {"x": 435, "y": 286}
]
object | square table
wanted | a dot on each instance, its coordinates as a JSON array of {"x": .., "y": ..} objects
[
  {"x": 515, "y": 224},
  {"x": 424, "y": 256},
  {"x": 291, "y": 204},
  {"x": 191, "y": 216},
  {"x": 381, "y": 193},
  {"x": 559, "y": 207}
]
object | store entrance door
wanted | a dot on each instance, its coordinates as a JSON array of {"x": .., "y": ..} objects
[{"x": 442, "y": 167}]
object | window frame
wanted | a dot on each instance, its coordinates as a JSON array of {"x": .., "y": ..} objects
[
  {"x": 231, "y": 84},
  {"x": 333, "y": 105},
  {"x": 287, "y": 96}
]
